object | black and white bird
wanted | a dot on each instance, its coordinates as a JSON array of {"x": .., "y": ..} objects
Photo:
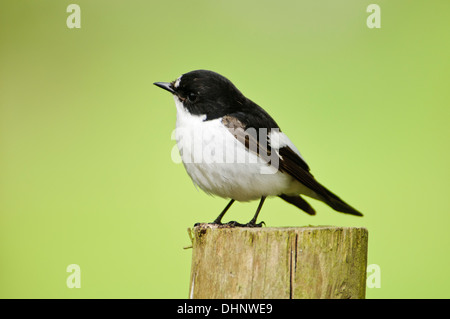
[{"x": 233, "y": 148}]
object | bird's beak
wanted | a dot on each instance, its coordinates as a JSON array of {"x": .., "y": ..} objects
[{"x": 166, "y": 86}]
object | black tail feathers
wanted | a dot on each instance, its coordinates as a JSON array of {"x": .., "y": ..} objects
[
  {"x": 331, "y": 200},
  {"x": 299, "y": 202},
  {"x": 338, "y": 204}
]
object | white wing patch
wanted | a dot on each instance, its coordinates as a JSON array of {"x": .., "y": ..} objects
[{"x": 279, "y": 140}]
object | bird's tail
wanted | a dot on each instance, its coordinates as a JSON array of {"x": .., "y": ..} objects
[
  {"x": 328, "y": 198},
  {"x": 299, "y": 202},
  {"x": 338, "y": 204}
]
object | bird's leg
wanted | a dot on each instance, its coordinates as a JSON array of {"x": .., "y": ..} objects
[
  {"x": 218, "y": 220},
  {"x": 253, "y": 223}
]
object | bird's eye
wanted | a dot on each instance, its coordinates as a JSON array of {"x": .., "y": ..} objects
[{"x": 192, "y": 97}]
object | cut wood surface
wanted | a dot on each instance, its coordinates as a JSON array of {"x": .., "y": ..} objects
[{"x": 285, "y": 262}]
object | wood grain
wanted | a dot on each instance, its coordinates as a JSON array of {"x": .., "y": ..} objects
[{"x": 286, "y": 262}]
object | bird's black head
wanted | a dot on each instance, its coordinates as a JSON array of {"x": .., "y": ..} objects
[{"x": 207, "y": 93}]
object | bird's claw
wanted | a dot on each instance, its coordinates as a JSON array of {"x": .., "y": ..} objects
[
  {"x": 232, "y": 224},
  {"x": 250, "y": 224}
]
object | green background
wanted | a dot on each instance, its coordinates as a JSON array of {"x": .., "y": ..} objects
[{"x": 86, "y": 175}]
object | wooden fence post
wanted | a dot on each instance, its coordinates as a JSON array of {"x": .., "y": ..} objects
[{"x": 286, "y": 262}]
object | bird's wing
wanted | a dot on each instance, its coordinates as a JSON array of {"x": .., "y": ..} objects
[
  {"x": 290, "y": 161},
  {"x": 276, "y": 143}
]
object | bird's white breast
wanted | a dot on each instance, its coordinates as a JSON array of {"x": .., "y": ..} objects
[{"x": 220, "y": 165}]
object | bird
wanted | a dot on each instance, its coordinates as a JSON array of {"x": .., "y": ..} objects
[{"x": 232, "y": 148}]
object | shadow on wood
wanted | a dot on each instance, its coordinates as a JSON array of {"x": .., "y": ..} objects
[{"x": 286, "y": 262}]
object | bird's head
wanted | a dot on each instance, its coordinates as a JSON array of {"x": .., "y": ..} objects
[{"x": 203, "y": 92}]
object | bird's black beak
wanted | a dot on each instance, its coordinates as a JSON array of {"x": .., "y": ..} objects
[{"x": 166, "y": 86}]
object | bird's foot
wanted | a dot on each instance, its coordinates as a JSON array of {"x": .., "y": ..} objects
[
  {"x": 250, "y": 224},
  {"x": 231, "y": 224},
  {"x": 214, "y": 224}
]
